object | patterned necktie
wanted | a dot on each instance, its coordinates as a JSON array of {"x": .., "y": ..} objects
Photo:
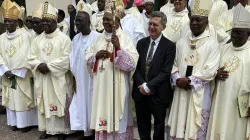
[{"x": 149, "y": 59}]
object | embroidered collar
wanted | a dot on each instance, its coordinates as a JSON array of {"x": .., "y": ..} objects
[
  {"x": 181, "y": 13},
  {"x": 196, "y": 42},
  {"x": 244, "y": 47},
  {"x": 13, "y": 35},
  {"x": 52, "y": 35},
  {"x": 108, "y": 35}
]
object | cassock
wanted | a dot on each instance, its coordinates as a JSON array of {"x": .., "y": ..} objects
[
  {"x": 64, "y": 27},
  {"x": 219, "y": 7},
  {"x": 146, "y": 21},
  {"x": 190, "y": 109},
  {"x": 102, "y": 103},
  {"x": 225, "y": 25},
  {"x": 19, "y": 101},
  {"x": 176, "y": 20},
  {"x": 96, "y": 21},
  {"x": 80, "y": 108},
  {"x": 225, "y": 122},
  {"x": 94, "y": 6},
  {"x": 135, "y": 12},
  {"x": 54, "y": 89},
  {"x": 167, "y": 8},
  {"x": 132, "y": 27}
]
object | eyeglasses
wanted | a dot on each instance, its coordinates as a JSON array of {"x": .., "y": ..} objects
[{"x": 153, "y": 24}]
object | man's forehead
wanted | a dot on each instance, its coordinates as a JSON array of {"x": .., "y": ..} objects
[{"x": 155, "y": 19}]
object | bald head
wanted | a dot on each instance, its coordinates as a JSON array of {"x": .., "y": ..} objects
[{"x": 82, "y": 22}]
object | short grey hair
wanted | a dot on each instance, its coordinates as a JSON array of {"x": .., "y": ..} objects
[{"x": 160, "y": 15}]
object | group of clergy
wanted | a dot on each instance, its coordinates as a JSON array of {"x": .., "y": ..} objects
[{"x": 190, "y": 57}]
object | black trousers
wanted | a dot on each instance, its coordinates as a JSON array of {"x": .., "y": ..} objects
[{"x": 144, "y": 110}]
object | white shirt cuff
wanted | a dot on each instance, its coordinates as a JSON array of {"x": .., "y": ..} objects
[
  {"x": 146, "y": 87},
  {"x": 20, "y": 72},
  {"x": 3, "y": 69}
]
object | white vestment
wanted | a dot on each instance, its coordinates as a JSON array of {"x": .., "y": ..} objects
[
  {"x": 135, "y": 12},
  {"x": 54, "y": 89},
  {"x": 131, "y": 26},
  {"x": 20, "y": 103},
  {"x": 190, "y": 109},
  {"x": 80, "y": 108},
  {"x": 146, "y": 21},
  {"x": 175, "y": 22},
  {"x": 224, "y": 25},
  {"x": 167, "y": 8},
  {"x": 96, "y": 21},
  {"x": 219, "y": 7},
  {"x": 102, "y": 105},
  {"x": 94, "y": 7},
  {"x": 63, "y": 27},
  {"x": 225, "y": 122}
]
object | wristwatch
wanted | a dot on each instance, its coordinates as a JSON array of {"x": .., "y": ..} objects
[{"x": 189, "y": 81}]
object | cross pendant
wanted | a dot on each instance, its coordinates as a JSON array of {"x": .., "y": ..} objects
[{"x": 101, "y": 69}]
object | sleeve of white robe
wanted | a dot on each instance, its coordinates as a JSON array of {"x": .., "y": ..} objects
[
  {"x": 33, "y": 57},
  {"x": 60, "y": 66},
  {"x": 209, "y": 70},
  {"x": 3, "y": 67}
]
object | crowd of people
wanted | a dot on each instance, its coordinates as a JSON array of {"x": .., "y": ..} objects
[{"x": 181, "y": 70}]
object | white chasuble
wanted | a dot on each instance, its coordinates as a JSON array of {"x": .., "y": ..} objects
[
  {"x": 102, "y": 105},
  {"x": 135, "y": 12},
  {"x": 80, "y": 108},
  {"x": 13, "y": 57},
  {"x": 54, "y": 89},
  {"x": 20, "y": 103},
  {"x": 96, "y": 21},
  {"x": 176, "y": 20},
  {"x": 189, "y": 113},
  {"x": 63, "y": 27},
  {"x": 224, "y": 25},
  {"x": 219, "y": 7},
  {"x": 167, "y": 8},
  {"x": 131, "y": 26},
  {"x": 225, "y": 122}
]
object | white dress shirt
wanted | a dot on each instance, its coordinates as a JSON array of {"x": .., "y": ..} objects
[{"x": 157, "y": 41}]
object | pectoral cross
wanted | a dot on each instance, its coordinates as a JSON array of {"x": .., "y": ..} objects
[{"x": 101, "y": 69}]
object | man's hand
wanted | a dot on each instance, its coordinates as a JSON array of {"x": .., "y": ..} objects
[
  {"x": 182, "y": 82},
  {"x": 141, "y": 89},
  {"x": 43, "y": 68},
  {"x": 9, "y": 74},
  {"x": 115, "y": 41},
  {"x": 222, "y": 74},
  {"x": 102, "y": 54}
]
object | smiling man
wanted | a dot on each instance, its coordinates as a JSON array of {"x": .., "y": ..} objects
[
  {"x": 196, "y": 64},
  {"x": 232, "y": 82},
  {"x": 49, "y": 60},
  {"x": 14, "y": 70},
  {"x": 100, "y": 58},
  {"x": 80, "y": 108},
  {"x": 152, "y": 91}
]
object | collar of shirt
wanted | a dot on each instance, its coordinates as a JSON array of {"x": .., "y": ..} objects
[{"x": 157, "y": 41}]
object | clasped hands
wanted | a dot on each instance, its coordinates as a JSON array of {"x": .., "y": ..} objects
[
  {"x": 9, "y": 74},
  {"x": 43, "y": 68},
  {"x": 183, "y": 83},
  {"x": 142, "y": 90},
  {"x": 103, "y": 54}
]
